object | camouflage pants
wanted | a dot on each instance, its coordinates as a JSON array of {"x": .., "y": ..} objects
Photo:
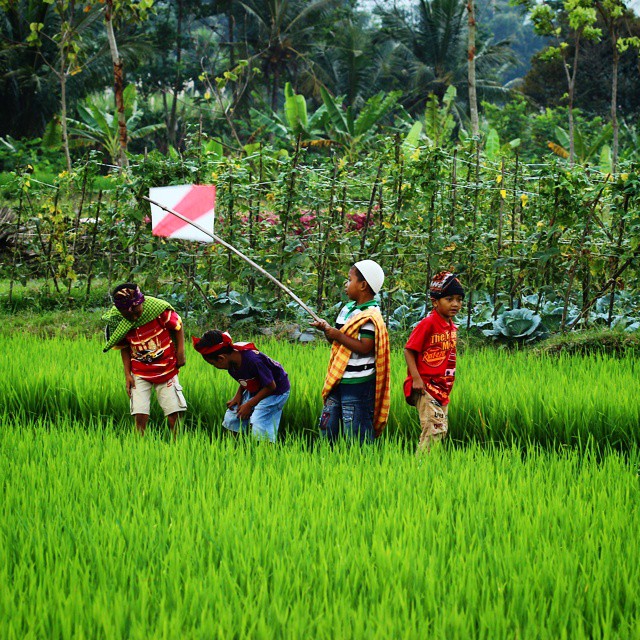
[{"x": 433, "y": 420}]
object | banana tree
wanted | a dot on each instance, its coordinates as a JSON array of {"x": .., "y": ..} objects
[
  {"x": 583, "y": 150},
  {"x": 101, "y": 127},
  {"x": 350, "y": 129},
  {"x": 295, "y": 122},
  {"x": 438, "y": 123}
]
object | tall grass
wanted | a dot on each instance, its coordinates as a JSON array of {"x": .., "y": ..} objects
[
  {"x": 112, "y": 535},
  {"x": 498, "y": 396}
]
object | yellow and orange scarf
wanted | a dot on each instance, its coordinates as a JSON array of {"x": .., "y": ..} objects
[{"x": 340, "y": 357}]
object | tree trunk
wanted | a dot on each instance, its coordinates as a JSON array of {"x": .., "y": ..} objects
[
  {"x": 614, "y": 103},
  {"x": 471, "y": 60},
  {"x": 571, "y": 85},
  {"x": 118, "y": 81},
  {"x": 63, "y": 111},
  {"x": 172, "y": 125}
]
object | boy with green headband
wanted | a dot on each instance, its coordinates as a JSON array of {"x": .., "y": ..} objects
[{"x": 150, "y": 337}]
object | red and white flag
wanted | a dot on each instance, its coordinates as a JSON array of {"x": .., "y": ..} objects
[{"x": 193, "y": 201}]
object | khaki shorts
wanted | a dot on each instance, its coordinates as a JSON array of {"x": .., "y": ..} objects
[
  {"x": 169, "y": 394},
  {"x": 433, "y": 420}
]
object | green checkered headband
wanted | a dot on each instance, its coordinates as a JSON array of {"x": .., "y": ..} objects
[{"x": 118, "y": 326}]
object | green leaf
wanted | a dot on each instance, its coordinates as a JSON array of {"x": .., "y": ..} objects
[
  {"x": 335, "y": 115},
  {"x": 413, "y": 137},
  {"x": 492, "y": 145}
]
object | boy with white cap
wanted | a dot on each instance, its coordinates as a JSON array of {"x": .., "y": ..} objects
[{"x": 356, "y": 389}]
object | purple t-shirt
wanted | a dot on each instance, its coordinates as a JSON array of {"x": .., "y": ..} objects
[{"x": 257, "y": 371}]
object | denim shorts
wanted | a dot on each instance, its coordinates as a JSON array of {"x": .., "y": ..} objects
[
  {"x": 348, "y": 409},
  {"x": 264, "y": 419}
]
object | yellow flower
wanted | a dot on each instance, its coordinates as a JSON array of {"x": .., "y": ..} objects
[
  {"x": 451, "y": 247},
  {"x": 386, "y": 224},
  {"x": 524, "y": 198},
  {"x": 499, "y": 178},
  {"x": 624, "y": 176},
  {"x": 63, "y": 174},
  {"x": 270, "y": 197},
  {"x": 503, "y": 193},
  {"x": 415, "y": 155},
  {"x": 540, "y": 224},
  {"x": 214, "y": 175},
  {"x": 207, "y": 95}
]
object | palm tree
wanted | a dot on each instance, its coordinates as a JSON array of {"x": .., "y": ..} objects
[
  {"x": 28, "y": 88},
  {"x": 430, "y": 51},
  {"x": 281, "y": 34},
  {"x": 352, "y": 63}
]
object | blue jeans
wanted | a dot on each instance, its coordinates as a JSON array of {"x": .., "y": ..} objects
[
  {"x": 264, "y": 419},
  {"x": 349, "y": 406}
]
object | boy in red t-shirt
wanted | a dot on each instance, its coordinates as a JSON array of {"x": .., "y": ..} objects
[
  {"x": 150, "y": 337},
  {"x": 430, "y": 353}
]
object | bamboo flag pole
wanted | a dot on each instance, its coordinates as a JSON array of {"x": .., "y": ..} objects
[{"x": 257, "y": 267}]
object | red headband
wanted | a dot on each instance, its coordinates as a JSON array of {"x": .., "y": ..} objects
[{"x": 207, "y": 351}]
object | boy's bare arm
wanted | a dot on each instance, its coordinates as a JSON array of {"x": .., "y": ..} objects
[
  {"x": 417, "y": 381},
  {"x": 125, "y": 353},
  {"x": 323, "y": 325},
  {"x": 244, "y": 410},
  {"x": 178, "y": 335},
  {"x": 363, "y": 347},
  {"x": 237, "y": 399}
]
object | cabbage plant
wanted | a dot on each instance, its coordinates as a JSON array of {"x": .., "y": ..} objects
[{"x": 517, "y": 325}]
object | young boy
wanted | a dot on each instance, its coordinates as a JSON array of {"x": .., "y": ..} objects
[
  {"x": 144, "y": 329},
  {"x": 356, "y": 389},
  {"x": 264, "y": 384},
  {"x": 430, "y": 353}
]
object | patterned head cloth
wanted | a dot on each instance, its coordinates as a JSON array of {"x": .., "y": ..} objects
[
  {"x": 126, "y": 299},
  {"x": 207, "y": 351},
  {"x": 444, "y": 284},
  {"x": 226, "y": 342}
]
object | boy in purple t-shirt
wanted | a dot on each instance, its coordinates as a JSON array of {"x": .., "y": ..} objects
[{"x": 264, "y": 384}]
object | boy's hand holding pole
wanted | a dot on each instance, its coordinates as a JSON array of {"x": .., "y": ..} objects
[{"x": 330, "y": 333}]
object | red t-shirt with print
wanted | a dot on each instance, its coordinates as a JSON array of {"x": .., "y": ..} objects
[
  {"x": 434, "y": 341},
  {"x": 153, "y": 354}
]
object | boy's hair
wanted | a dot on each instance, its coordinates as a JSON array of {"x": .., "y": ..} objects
[
  {"x": 361, "y": 278},
  {"x": 211, "y": 339},
  {"x": 126, "y": 296},
  {"x": 123, "y": 286}
]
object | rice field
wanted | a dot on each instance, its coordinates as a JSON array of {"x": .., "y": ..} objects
[
  {"x": 507, "y": 532},
  {"x": 107, "y": 535},
  {"x": 498, "y": 396}
]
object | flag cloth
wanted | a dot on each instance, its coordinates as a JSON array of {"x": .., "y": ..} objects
[
  {"x": 340, "y": 357},
  {"x": 193, "y": 201}
]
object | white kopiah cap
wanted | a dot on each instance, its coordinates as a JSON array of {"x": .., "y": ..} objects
[{"x": 372, "y": 273}]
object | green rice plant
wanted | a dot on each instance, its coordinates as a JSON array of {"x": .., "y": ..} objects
[
  {"x": 512, "y": 397},
  {"x": 106, "y": 534}
]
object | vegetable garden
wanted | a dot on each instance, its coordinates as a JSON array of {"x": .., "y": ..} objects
[{"x": 560, "y": 242}]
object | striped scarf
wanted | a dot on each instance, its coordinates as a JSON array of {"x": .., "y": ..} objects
[
  {"x": 340, "y": 357},
  {"x": 118, "y": 326}
]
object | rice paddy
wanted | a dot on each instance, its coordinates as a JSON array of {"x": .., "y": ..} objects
[
  {"x": 498, "y": 396},
  {"x": 506, "y": 532}
]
